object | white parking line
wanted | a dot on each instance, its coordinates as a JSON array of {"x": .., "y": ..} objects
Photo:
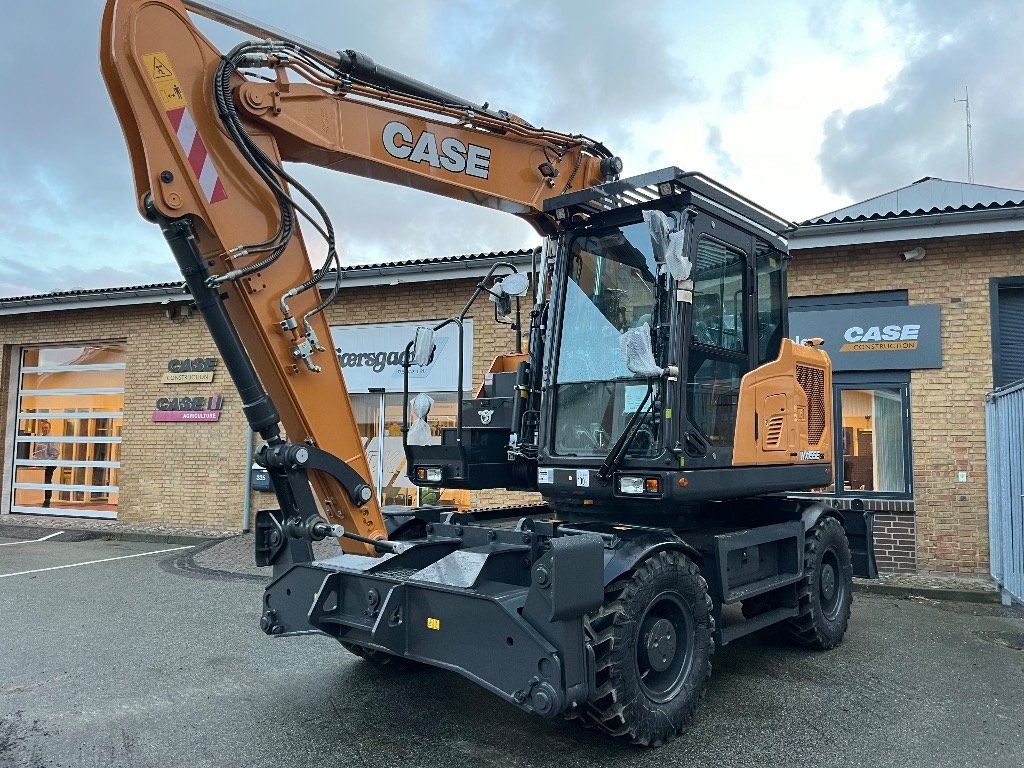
[
  {"x": 32, "y": 541},
  {"x": 94, "y": 562}
]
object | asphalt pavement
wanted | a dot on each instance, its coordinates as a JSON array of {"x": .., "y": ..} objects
[{"x": 136, "y": 656}]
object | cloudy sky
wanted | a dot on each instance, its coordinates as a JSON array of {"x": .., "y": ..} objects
[{"x": 802, "y": 106}]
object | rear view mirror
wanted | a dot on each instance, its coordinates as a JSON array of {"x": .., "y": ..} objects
[
  {"x": 423, "y": 346},
  {"x": 516, "y": 284},
  {"x": 503, "y": 291},
  {"x": 503, "y": 305}
]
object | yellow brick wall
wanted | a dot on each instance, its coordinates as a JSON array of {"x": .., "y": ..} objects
[
  {"x": 182, "y": 475},
  {"x": 947, "y": 404}
]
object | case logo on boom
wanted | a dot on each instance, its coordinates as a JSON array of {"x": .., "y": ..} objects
[{"x": 451, "y": 154}]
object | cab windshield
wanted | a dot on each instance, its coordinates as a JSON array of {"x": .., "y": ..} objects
[{"x": 611, "y": 287}]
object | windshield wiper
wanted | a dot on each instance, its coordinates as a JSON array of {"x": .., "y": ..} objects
[{"x": 618, "y": 452}]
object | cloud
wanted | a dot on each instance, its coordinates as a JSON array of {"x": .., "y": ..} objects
[
  {"x": 723, "y": 161},
  {"x": 572, "y": 67},
  {"x": 23, "y": 278},
  {"x": 918, "y": 130},
  {"x": 69, "y": 216},
  {"x": 734, "y": 95}
]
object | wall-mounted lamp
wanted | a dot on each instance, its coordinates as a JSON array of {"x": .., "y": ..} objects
[
  {"x": 914, "y": 254},
  {"x": 176, "y": 310}
]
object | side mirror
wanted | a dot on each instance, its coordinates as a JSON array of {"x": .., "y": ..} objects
[
  {"x": 516, "y": 284},
  {"x": 503, "y": 291},
  {"x": 503, "y": 305},
  {"x": 423, "y": 346}
]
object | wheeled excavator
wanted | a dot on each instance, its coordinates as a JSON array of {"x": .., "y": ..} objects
[{"x": 655, "y": 408}]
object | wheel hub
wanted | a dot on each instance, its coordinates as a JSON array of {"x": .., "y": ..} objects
[
  {"x": 664, "y": 648},
  {"x": 661, "y": 645},
  {"x": 828, "y": 582}
]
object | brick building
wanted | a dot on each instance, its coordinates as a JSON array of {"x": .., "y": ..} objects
[
  {"x": 936, "y": 269},
  {"x": 919, "y": 294},
  {"x": 97, "y": 366}
]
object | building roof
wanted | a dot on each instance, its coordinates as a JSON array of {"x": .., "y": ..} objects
[
  {"x": 928, "y": 208},
  {"x": 925, "y": 196},
  {"x": 354, "y": 275}
]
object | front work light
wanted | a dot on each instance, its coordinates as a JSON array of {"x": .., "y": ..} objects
[
  {"x": 428, "y": 474},
  {"x": 631, "y": 485},
  {"x": 639, "y": 486}
]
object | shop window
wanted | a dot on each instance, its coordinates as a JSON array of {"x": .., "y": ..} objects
[
  {"x": 872, "y": 441},
  {"x": 379, "y": 417},
  {"x": 67, "y": 447}
]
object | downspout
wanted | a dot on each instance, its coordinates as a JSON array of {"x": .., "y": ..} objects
[{"x": 247, "y": 505}]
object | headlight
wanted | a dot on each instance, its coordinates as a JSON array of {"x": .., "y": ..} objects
[
  {"x": 428, "y": 474},
  {"x": 639, "y": 486},
  {"x": 631, "y": 485}
]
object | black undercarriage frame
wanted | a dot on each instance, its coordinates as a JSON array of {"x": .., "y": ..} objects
[{"x": 504, "y": 602}]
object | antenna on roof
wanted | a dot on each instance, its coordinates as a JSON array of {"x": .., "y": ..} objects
[{"x": 966, "y": 100}]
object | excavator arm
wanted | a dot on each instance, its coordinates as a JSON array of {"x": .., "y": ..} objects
[{"x": 208, "y": 134}]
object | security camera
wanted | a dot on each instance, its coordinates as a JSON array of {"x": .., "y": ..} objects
[{"x": 914, "y": 254}]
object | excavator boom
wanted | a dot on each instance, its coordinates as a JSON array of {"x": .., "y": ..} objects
[{"x": 207, "y": 143}]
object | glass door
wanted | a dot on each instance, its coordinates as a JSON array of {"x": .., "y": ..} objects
[
  {"x": 68, "y": 442},
  {"x": 379, "y": 418}
]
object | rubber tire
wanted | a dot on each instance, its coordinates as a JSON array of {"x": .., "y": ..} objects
[
  {"x": 620, "y": 706},
  {"x": 813, "y": 628},
  {"x": 382, "y": 658}
]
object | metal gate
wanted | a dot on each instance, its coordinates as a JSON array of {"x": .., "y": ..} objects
[{"x": 1004, "y": 427}]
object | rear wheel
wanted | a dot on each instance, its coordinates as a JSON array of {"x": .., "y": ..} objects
[
  {"x": 825, "y": 596},
  {"x": 383, "y": 658},
  {"x": 653, "y": 640}
]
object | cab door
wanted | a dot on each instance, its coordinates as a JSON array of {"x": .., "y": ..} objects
[{"x": 720, "y": 340}]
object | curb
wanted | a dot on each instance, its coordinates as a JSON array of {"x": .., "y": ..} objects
[
  {"x": 83, "y": 534},
  {"x": 931, "y": 593}
]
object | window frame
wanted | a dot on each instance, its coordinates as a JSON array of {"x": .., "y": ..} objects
[
  {"x": 62, "y": 466},
  {"x": 850, "y": 383},
  {"x": 997, "y": 284}
]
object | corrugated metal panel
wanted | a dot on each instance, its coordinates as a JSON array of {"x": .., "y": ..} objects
[
  {"x": 1004, "y": 427},
  {"x": 162, "y": 289},
  {"x": 927, "y": 196}
]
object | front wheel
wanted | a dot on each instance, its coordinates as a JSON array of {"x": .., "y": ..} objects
[
  {"x": 825, "y": 596},
  {"x": 653, "y": 639}
]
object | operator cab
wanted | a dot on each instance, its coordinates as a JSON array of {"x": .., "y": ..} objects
[{"x": 658, "y": 364}]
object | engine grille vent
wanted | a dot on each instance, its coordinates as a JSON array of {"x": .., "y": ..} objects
[
  {"x": 812, "y": 381},
  {"x": 773, "y": 432}
]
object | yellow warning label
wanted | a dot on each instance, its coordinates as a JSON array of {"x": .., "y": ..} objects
[
  {"x": 433, "y": 623},
  {"x": 158, "y": 67}
]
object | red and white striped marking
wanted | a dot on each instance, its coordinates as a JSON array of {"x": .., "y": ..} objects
[{"x": 198, "y": 157}]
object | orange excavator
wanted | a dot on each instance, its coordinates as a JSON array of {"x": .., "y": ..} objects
[{"x": 658, "y": 409}]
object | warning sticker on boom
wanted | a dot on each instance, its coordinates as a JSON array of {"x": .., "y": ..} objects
[{"x": 158, "y": 67}]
